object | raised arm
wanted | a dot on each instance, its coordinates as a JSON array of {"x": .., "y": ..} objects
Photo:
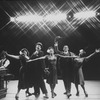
[
  {"x": 91, "y": 55},
  {"x": 56, "y": 48}
]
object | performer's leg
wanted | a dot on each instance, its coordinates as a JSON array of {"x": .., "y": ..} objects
[
  {"x": 52, "y": 86},
  {"x": 68, "y": 87},
  {"x": 27, "y": 92},
  {"x": 83, "y": 87},
  {"x": 36, "y": 89},
  {"x": 65, "y": 85},
  {"x": 76, "y": 85},
  {"x": 17, "y": 94},
  {"x": 43, "y": 88}
]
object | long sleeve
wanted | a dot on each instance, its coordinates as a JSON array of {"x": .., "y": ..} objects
[
  {"x": 41, "y": 54},
  {"x": 57, "y": 50},
  {"x": 90, "y": 56}
]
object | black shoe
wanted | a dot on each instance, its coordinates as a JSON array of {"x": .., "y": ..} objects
[
  {"x": 86, "y": 95},
  {"x": 68, "y": 95},
  {"x": 65, "y": 92},
  {"x": 28, "y": 93},
  {"x": 77, "y": 94},
  {"x": 36, "y": 94},
  {"x": 55, "y": 94},
  {"x": 16, "y": 97}
]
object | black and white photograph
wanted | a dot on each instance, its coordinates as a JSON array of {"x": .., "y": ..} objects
[{"x": 49, "y": 49}]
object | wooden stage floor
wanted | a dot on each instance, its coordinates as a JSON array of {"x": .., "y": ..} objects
[{"x": 92, "y": 88}]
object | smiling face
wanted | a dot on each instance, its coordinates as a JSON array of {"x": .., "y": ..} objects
[
  {"x": 65, "y": 48},
  {"x": 23, "y": 52},
  {"x": 38, "y": 47},
  {"x": 50, "y": 50},
  {"x": 81, "y": 52}
]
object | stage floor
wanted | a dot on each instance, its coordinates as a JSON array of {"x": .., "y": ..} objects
[{"x": 92, "y": 88}]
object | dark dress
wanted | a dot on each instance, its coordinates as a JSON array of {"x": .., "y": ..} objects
[
  {"x": 51, "y": 64},
  {"x": 78, "y": 73},
  {"x": 22, "y": 83},
  {"x": 78, "y": 64}
]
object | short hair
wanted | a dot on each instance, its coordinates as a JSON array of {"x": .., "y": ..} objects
[
  {"x": 24, "y": 49},
  {"x": 49, "y": 49},
  {"x": 39, "y": 43}
]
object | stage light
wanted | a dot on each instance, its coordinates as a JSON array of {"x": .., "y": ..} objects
[
  {"x": 98, "y": 14},
  {"x": 56, "y": 18},
  {"x": 12, "y": 19},
  {"x": 85, "y": 14},
  {"x": 29, "y": 18},
  {"x": 70, "y": 16}
]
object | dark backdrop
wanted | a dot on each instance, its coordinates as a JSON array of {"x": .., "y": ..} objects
[{"x": 12, "y": 39}]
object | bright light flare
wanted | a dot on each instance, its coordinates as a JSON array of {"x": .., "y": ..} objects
[
  {"x": 29, "y": 18},
  {"x": 55, "y": 17},
  {"x": 12, "y": 19},
  {"x": 85, "y": 14},
  {"x": 37, "y": 18}
]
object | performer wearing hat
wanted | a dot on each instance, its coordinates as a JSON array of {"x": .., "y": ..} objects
[
  {"x": 38, "y": 71},
  {"x": 66, "y": 67}
]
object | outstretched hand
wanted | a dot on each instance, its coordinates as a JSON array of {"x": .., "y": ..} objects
[
  {"x": 56, "y": 43},
  {"x": 97, "y": 50}
]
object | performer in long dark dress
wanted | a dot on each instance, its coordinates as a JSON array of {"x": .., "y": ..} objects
[
  {"x": 23, "y": 57},
  {"x": 52, "y": 77},
  {"x": 66, "y": 66},
  {"x": 38, "y": 66},
  {"x": 78, "y": 73}
]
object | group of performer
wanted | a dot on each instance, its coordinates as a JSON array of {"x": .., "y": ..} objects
[{"x": 33, "y": 68}]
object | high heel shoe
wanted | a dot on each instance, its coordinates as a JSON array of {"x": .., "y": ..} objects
[
  {"x": 16, "y": 97},
  {"x": 46, "y": 96},
  {"x": 86, "y": 95},
  {"x": 28, "y": 93},
  {"x": 68, "y": 95},
  {"x": 53, "y": 94},
  {"x": 77, "y": 94}
]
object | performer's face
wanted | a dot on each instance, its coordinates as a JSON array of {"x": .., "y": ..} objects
[
  {"x": 65, "y": 48},
  {"x": 23, "y": 53},
  {"x": 81, "y": 51},
  {"x": 38, "y": 47},
  {"x": 51, "y": 51}
]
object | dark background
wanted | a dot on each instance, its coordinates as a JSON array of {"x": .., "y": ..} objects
[{"x": 12, "y": 39}]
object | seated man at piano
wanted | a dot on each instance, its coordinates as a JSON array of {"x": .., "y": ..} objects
[{"x": 4, "y": 62}]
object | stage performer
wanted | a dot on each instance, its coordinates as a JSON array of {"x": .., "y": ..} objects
[{"x": 23, "y": 57}]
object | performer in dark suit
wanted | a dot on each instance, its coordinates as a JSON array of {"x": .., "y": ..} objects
[
  {"x": 23, "y": 57},
  {"x": 78, "y": 73},
  {"x": 38, "y": 72},
  {"x": 66, "y": 66}
]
